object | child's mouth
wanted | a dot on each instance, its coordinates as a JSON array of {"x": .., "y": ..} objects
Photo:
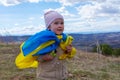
[{"x": 59, "y": 29}]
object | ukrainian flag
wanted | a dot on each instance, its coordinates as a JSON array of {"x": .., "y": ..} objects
[{"x": 39, "y": 44}]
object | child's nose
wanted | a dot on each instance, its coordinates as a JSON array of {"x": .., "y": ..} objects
[{"x": 60, "y": 25}]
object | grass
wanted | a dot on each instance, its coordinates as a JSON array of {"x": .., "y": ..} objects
[{"x": 84, "y": 66}]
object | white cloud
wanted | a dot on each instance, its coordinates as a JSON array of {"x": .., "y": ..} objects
[
  {"x": 16, "y": 24},
  {"x": 16, "y": 2},
  {"x": 63, "y": 2},
  {"x": 101, "y": 13},
  {"x": 31, "y": 29},
  {"x": 87, "y": 11},
  {"x": 31, "y": 18},
  {"x": 72, "y": 2},
  {"x": 106, "y": 8},
  {"x": 33, "y": 1},
  {"x": 9, "y": 2},
  {"x": 61, "y": 10}
]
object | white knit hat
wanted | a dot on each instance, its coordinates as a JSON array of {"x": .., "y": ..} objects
[{"x": 50, "y": 16}]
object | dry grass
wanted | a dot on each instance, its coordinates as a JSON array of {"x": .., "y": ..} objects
[
  {"x": 8, "y": 70},
  {"x": 85, "y": 66},
  {"x": 93, "y": 66}
]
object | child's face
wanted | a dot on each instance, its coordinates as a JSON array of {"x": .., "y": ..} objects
[{"x": 57, "y": 26}]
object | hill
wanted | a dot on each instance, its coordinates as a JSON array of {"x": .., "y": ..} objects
[
  {"x": 84, "y": 66},
  {"x": 113, "y": 39},
  {"x": 81, "y": 41}
]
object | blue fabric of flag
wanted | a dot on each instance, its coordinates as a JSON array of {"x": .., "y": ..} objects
[{"x": 36, "y": 40}]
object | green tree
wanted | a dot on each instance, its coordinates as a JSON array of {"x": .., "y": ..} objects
[
  {"x": 116, "y": 52},
  {"x": 106, "y": 49}
]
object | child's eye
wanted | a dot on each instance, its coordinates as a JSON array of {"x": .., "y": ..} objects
[
  {"x": 59, "y": 23},
  {"x": 62, "y": 22},
  {"x": 56, "y": 23}
]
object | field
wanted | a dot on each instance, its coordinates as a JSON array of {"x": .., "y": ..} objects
[{"x": 84, "y": 66}]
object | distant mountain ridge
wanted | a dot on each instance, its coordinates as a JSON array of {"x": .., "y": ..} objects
[
  {"x": 80, "y": 40},
  {"x": 90, "y": 40}
]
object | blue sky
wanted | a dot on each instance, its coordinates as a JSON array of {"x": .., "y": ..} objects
[{"x": 24, "y": 17}]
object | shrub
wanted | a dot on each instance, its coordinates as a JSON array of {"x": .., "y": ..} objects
[
  {"x": 105, "y": 48},
  {"x": 116, "y": 52}
]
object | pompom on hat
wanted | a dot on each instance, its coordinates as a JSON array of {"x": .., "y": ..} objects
[{"x": 50, "y": 16}]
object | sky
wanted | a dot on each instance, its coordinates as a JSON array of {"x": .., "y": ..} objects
[{"x": 25, "y": 17}]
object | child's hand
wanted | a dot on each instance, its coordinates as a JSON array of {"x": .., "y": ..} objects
[
  {"x": 47, "y": 57},
  {"x": 69, "y": 48}
]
